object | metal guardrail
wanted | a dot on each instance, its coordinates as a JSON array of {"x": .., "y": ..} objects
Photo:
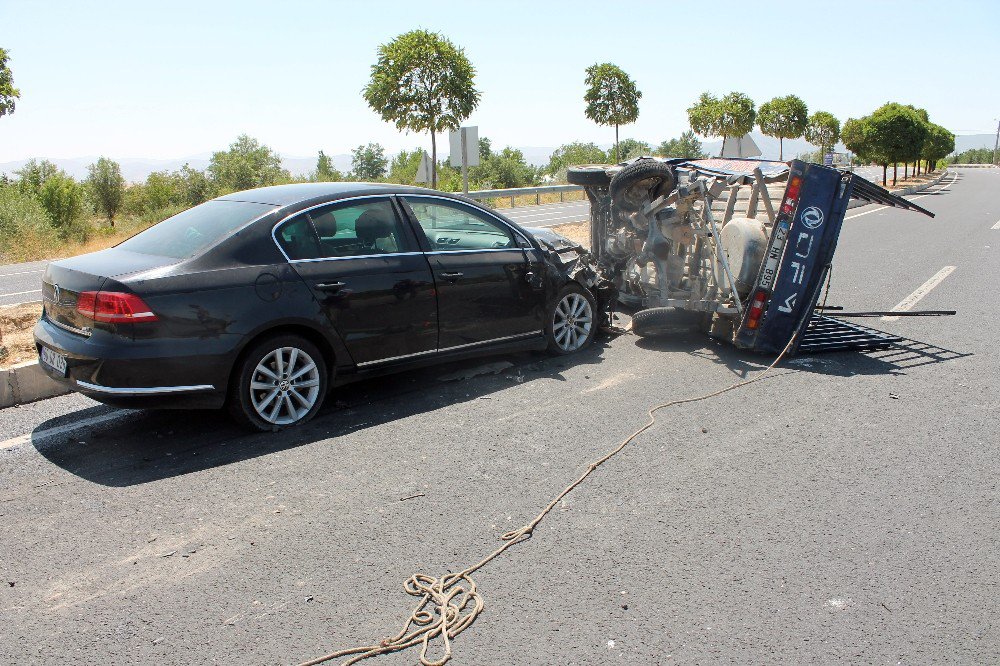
[{"x": 513, "y": 192}]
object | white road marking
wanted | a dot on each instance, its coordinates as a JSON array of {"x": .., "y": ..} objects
[
  {"x": 880, "y": 208},
  {"x": 924, "y": 289},
  {"x": 561, "y": 211},
  {"x": 996, "y": 226},
  {"x": 21, "y": 293},
  {"x": 62, "y": 430},
  {"x": 3, "y": 275}
]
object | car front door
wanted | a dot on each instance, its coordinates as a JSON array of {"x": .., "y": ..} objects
[
  {"x": 366, "y": 271},
  {"x": 481, "y": 268}
]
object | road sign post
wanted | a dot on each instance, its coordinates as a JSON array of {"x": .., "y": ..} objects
[
  {"x": 423, "y": 169},
  {"x": 464, "y": 145}
]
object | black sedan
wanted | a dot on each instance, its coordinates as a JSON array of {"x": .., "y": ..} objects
[{"x": 262, "y": 300}]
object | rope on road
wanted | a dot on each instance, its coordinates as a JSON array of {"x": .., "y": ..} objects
[{"x": 449, "y": 604}]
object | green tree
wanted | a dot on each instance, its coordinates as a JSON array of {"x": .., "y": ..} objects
[
  {"x": 403, "y": 167},
  {"x": 937, "y": 145},
  {"x": 247, "y": 164},
  {"x": 424, "y": 83},
  {"x": 783, "y": 118},
  {"x": 898, "y": 133},
  {"x": 195, "y": 185},
  {"x": 575, "y": 153},
  {"x": 8, "y": 93},
  {"x": 507, "y": 168},
  {"x": 687, "y": 145},
  {"x": 368, "y": 163},
  {"x": 163, "y": 190},
  {"x": 858, "y": 135},
  {"x": 612, "y": 98},
  {"x": 631, "y": 148},
  {"x": 107, "y": 187},
  {"x": 823, "y": 130},
  {"x": 705, "y": 116},
  {"x": 64, "y": 199},
  {"x": 736, "y": 116},
  {"x": 325, "y": 171},
  {"x": 33, "y": 175}
]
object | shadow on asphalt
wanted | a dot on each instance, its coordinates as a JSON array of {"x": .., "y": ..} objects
[
  {"x": 895, "y": 360},
  {"x": 152, "y": 445}
]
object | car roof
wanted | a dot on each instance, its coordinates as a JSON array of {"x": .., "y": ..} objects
[{"x": 283, "y": 195}]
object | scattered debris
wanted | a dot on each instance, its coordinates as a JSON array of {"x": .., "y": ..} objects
[
  {"x": 893, "y": 396},
  {"x": 403, "y": 499},
  {"x": 172, "y": 552}
]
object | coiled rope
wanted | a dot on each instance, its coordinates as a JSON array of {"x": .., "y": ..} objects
[{"x": 449, "y": 604}]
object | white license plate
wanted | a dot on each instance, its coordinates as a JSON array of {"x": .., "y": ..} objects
[{"x": 55, "y": 361}]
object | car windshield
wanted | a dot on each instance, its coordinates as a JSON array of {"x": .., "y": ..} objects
[{"x": 186, "y": 234}]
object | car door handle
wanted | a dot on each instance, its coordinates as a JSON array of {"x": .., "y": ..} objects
[
  {"x": 451, "y": 276},
  {"x": 331, "y": 286}
]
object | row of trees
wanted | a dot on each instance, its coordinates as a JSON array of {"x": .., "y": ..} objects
[{"x": 897, "y": 133}]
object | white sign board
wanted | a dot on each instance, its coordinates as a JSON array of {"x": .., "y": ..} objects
[
  {"x": 742, "y": 147},
  {"x": 471, "y": 146},
  {"x": 424, "y": 169}
]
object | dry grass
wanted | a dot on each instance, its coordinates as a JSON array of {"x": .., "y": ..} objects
[
  {"x": 16, "y": 322},
  {"x": 578, "y": 232},
  {"x": 33, "y": 248}
]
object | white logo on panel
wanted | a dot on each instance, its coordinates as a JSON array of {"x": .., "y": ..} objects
[{"x": 812, "y": 217}]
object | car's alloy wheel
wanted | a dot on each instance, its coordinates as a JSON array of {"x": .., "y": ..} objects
[
  {"x": 284, "y": 386},
  {"x": 281, "y": 382},
  {"x": 572, "y": 326}
]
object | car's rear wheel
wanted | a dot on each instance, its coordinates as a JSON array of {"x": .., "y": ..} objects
[
  {"x": 573, "y": 320},
  {"x": 281, "y": 382},
  {"x": 593, "y": 175}
]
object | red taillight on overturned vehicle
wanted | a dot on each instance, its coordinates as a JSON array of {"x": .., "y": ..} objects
[
  {"x": 756, "y": 309},
  {"x": 114, "y": 307}
]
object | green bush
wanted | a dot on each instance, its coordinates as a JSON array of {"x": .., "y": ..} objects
[
  {"x": 24, "y": 225},
  {"x": 65, "y": 201}
]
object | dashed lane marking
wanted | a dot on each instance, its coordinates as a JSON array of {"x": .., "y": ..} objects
[{"x": 924, "y": 289}]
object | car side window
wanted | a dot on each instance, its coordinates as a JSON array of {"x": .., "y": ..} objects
[
  {"x": 454, "y": 226},
  {"x": 344, "y": 230},
  {"x": 298, "y": 238},
  {"x": 359, "y": 229}
]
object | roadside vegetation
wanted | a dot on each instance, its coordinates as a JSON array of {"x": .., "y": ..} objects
[{"x": 422, "y": 82}]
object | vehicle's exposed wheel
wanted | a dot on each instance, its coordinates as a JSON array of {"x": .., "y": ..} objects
[
  {"x": 655, "y": 322},
  {"x": 280, "y": 382},
  {"x": 572, "y": 322},
  {"x": 594, "y": 175},
  {"x": 640, "y": 182}
]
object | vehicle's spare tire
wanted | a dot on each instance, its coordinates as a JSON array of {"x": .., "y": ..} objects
[
  {"x": 639, "y": 183},
  {"x": 655, "y": 322},
  {"x": 593, "y": 175}
]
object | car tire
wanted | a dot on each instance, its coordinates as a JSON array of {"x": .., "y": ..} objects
[
  {"x": 658, "y": 322},
  {"x": 588, "y": 175},
  {"x": 572, "y": 321},
  {"x": 639, "y": 183},
  {"x": 278, "y": 383}
]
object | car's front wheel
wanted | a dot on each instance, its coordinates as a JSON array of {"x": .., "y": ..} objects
[
  {"x": 573, "y": 320},
  {"x": 280, "y": 382}
]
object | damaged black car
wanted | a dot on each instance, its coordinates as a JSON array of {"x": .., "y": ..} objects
[{"x": 262, "y": 300}]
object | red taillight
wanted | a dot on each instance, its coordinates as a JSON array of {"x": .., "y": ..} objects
[
  {"x": 756, "y": 309},
  {"x": 113, "y": 307},
  {"x": 791, "y": 195}
]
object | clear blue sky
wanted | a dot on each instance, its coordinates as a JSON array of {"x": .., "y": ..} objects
[{"x": 173, "y": 79}]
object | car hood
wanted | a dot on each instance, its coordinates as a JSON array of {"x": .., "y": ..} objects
[{"x": 551, "y": 239}]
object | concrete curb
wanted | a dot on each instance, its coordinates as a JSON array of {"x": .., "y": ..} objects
[
  {"x": 27, "y": 382},
  {"x": 857, "y": 203}
]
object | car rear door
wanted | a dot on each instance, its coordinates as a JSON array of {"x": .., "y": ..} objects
[
  {"x": 367, "y": 273},
  {"x": 481, "y": 268}
]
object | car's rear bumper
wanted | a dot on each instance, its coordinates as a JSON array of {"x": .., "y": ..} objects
[{"x": 179, "y": 373}]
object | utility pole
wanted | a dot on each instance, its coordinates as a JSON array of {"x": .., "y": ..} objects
[{"x": 996, "y": 144}]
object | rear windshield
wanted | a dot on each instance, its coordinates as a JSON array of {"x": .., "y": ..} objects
[{"x": 186, "y": 234}]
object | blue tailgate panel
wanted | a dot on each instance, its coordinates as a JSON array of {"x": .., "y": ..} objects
[{"x": 805, "y": 241}]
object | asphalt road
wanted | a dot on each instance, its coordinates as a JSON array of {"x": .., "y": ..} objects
[
  {"x": 21, "y": 283},
  {"x": 842, "y": 511}
]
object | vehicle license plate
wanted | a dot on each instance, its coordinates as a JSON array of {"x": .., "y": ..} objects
[{"x": 55, "y": 361}]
